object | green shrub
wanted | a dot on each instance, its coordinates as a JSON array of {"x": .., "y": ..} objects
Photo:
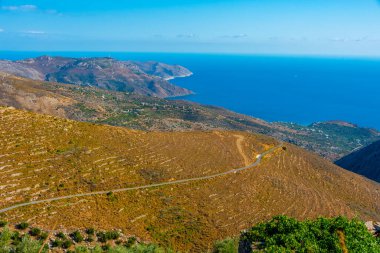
[
  {"x": 226, "y": 246},
  {"x": 16, "y": 236},
  {"x": 90, "y": 238},
  {"x": 90, "y": 231},
  {"x": 97, "y": 249},
  {"x": 56, "y": 243},
  {"x": 28, "y": 245},
  {"x": 131, "y": 241},
  {"x": 102, "y": 237},
  {"x": 22, "y": 225},
  {"x": 66, "y": 244},
  {"x": 106, "y": 247},
  {"x": 112, "y": 235},
  {"x": 283, "y": 234},
  {"x": 82, "y": 249},
  {"x": 43, "y": 236},
  {"x": 5, "y": 239},
  {"x": 3, "y": 223},
  {"x": 76, "y": 236},
  {"x": 147, "y": 248},
  {"x": 35, "y": 232},
  {"x": 61, "y": 235}
]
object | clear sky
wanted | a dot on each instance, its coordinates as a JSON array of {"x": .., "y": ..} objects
[{"x": 322, "y": 27}]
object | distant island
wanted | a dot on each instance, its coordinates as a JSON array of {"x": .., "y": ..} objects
[{"x": 143, "y": 78}]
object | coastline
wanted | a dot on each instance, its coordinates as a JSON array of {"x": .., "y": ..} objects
[
  {"x": 181, "y": 76},
  {"x": 180, "y": 96}
]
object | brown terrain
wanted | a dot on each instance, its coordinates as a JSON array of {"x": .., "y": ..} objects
[
  {"x": 331, "y": 140},
  {"x": 42, "y": 156},
  {"x": 145, "y": 78}
]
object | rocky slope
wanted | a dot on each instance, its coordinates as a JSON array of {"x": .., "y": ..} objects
[
  {"x": 365, "y": 161},
  {"x": 36, "y": 165},
  {"x": 145, "y": 78},
  {"x": 329, "y": 139}
]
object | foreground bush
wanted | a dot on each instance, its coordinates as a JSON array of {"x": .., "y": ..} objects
[
  {"x": 226, "y": 246},
  {"x": 283, "y": 234},
  {"x": 12, "y": 243}
]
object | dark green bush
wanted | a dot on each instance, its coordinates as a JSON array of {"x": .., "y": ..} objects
[
  {"x": 29, "y": 245},
  {"x": 106, "y": 247},
  {"x": 102, "y": 237},
  {"x": 76, "y": 236},
  {"x": 43, "y": 236},
  {"x": 35, "y": 231},
  {"x": 3, "y": 223},
  {"x": 90, "y": 231},
  {"x": 22, "y": 225},
  {"x": 56, "y": 243},
  {"x": 226, "y": 246},
  {"x": 16, "y": 236},
  {"x": 131, "y": 241},
  {"x": 90, "y": 238},
  {"x": 66, "y": 244},
  {"x": 283, "y": 234},
  {"x": 61, "y": 235},
  {"x": 112, "y": 235}
]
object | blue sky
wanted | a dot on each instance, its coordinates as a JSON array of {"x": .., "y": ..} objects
[{"x": 318, "y": 27}]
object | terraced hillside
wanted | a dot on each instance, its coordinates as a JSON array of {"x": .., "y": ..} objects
[
  {"x": 43, "y": 157},
  {"x": 332, "y": 140}
]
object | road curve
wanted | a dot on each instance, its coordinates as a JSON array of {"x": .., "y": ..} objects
[{"x": 182, "y": 181}]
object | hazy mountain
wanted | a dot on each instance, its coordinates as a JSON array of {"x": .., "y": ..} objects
[
  {"x": 145, "y": 78},
  {"x": 365, "y": 161}
]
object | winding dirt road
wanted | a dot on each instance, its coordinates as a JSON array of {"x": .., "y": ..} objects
[{"x": 182, "y": 181}]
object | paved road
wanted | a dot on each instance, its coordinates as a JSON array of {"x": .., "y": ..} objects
[{"x": 182, "y": 181}]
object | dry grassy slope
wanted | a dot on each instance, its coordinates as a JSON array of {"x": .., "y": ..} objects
[
  {"x": 148, "y": 113},
  {"x": 92, "y": 104},
  {"x": 43, "y": 156},
  {"x": 15, "y": 92}
]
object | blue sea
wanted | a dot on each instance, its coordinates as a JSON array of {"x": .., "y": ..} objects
[{"x": 275, "y": 88}]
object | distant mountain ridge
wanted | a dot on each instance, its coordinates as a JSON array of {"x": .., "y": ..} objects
[
  {"x": 365, "y": 161},
  {"x": 144, "y": 78}
]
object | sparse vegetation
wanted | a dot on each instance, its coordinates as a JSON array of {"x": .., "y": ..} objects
[
  {"x": 67, "y": 244},
  {"x": 331, "y": 140},
  {"x": 12, "y": 242},
  {"x": 2, "y": 223},
  {"x": 76, "y": 236},
  {"x": 185, "y": 217},
  {"x": 90, "y": 231},
  {"x": 35, "y": 231},
  {"x": 228, "y": 245},
  {"x": 61, "y": 235},
  {"x": 22, "y": 225},
  {"x": 57, "y": 243},
  {"x": 281, "y": 234}
]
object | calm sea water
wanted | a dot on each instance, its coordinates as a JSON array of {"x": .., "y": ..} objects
[{"x": 293, "y": 89}]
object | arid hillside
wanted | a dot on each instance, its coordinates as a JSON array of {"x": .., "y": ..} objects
[
  {"x": 42, "y": 157},
  {"x": 365, "y": 161},
  {"x": 331, "y": 140}
]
